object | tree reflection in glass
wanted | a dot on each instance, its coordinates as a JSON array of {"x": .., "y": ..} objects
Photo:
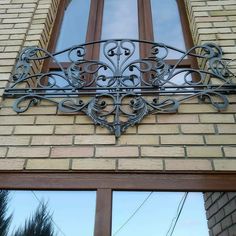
[{"x": 49, "y": 213}]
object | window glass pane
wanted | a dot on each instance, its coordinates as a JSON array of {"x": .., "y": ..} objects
[
  {"x": 155, "y": 213},
  {"x": 74, "y": 25},
  {"x": 71, "y": 212},
  {"x": 120, "y": 19},
  {"x": 167, "y": 27}
]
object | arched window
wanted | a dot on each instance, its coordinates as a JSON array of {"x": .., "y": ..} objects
[{"x": 80, "y": 21}]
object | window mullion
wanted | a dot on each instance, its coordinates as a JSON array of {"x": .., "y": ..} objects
[{"x": 103, "y": 212}]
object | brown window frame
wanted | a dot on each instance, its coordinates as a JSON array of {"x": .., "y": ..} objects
[
  {"x": 145, "y": 26},
  {"x": 105, "y": 183}
]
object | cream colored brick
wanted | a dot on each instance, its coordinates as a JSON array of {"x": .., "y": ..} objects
[
  {"x": 5, "y": 76},
  {"x": 55, "y": 119},
  {"x": 220, "y": 139},
  {"x": 8, "y": 55},
  {"x": 158, "y": 129},
  {"x": 12, "y": 141},
  {"x": 7, "y": 111},
  {"x": 16, "y": 164},
  {"x": 83, "y": 120},
  {"x": 217, "y": 118},
  {"x": 17, "y": 36},
  {"x": 6, "y": 130},
  {"x": 94, "y": 139},
  {"x": 187, "y": 165},
  {"x": 221, "y": 2},
  {"x": 26, "y": 152},
  {"x": 52, "y": 140},
  {"x": 139, "y": 140},
  {"x": 177, "y": 118},
  {"x": 227, "y": 128},
  {"x": 207, "y": 8},
  {"x": 150, "y": 119},
  {"x": 5, "y": 69},
  {"x": 27, "y": 5},
  {"x": 25, "y": 1},
  {"x": 21, "y": 25},
  {"x": 140, "y": 164},
  {"x": 223, "y": 13},
  {"x": 230, "y": 151},
  {"x": 214, "y": 30},
  {"x": 6, "y": 26},
  {"x": 3, "y": 152},
  {"x": 7, "y": 16},
  {"x": 224, "y": 24},
  {"x": 197, "y": 129},
  {"x": 64, "y": 152},
  {"x": 4, "y": 4},
  {"x": 196, "y": 108},
  {"x": 210, "y": 19},
  {"x": 16, "y": 120},
  {"x": 12, "y": 49},
  {"x": 13, "y": 31},
  {"x": 40, "y": 129},
  {"x": 7, "y": 62},
  {"x": 103, "y": 130},
  {"x": 94, "y": 164},
  {"x": 74, "y": 129},
  {"x": 117, "y": 152},
  {"x": 20, "y": 10},
  {"x": 16, "y": 20},
  {"x": 226, "y": 36},
  {"x": 225, "y": 165},
  {"x": 3, "y": 37},
  {"x": 162, "y": 151},
  {"x": 181, "y": 139},
  {"x": 41, "y": 110},
  {"x": 47, "y": 164},
  {"x": 204, "y": 152}
]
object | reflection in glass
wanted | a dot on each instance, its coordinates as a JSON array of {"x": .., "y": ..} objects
[
  {"x": 73, "y": 212},
  {"x": 120, "y": 19},
  {"x": 155, "y": 213},
  {"x": 167, "y": 26},
  {"x": 120, "y": 22},
  {"x": 74, "y": 25}
]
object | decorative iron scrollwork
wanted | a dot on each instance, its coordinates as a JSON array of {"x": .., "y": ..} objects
[{"x": 119, "y": 89}]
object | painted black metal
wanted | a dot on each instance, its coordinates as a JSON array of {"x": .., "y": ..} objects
[{"x": 120, "y": 89}]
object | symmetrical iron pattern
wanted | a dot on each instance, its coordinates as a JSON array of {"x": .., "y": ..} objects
[{"x": 119, "y": 89}]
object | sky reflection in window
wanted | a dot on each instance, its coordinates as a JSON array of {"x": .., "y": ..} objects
[
  {"x": 151, "y": 213},
  {"x": 74, "y": 26},
  {"x": 120, "y": 19},
  {"x": 167, "y": 26},
  {"x": 72, "y": 211}
]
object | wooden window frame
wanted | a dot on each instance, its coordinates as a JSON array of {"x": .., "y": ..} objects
[
  {"x": 105, "y": 183},
  {"x": 145, "y": 27}
]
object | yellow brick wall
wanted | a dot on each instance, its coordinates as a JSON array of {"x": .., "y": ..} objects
[{"x": 196, "y": 139}]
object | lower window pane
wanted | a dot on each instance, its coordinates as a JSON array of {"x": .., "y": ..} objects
[
  {"x": 158, "y": 213},
  {"x": 68, "y": 212}
]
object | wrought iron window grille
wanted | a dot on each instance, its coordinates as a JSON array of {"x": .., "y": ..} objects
[{"x": 119, "y": 89}]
